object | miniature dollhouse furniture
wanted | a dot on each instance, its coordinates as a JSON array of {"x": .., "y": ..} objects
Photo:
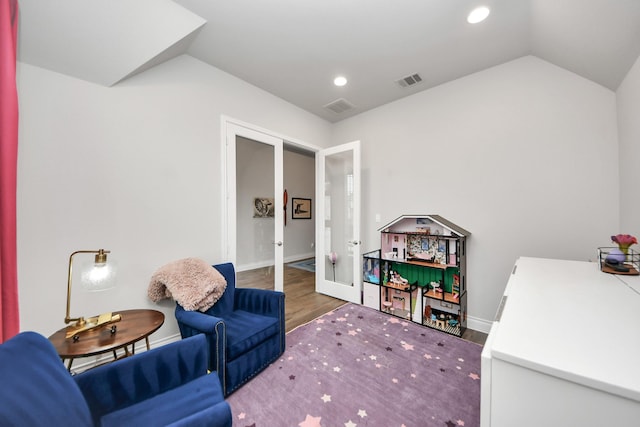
[
  {"x": 167, "y": 385},
  {"x": 245, "y": 330},
  {"x": 422, "y": 262}
]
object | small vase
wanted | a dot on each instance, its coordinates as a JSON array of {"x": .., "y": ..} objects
[{"x": 616, "y": 255}]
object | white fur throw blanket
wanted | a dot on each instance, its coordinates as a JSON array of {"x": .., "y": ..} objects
[{"x": 191, "y": 282}]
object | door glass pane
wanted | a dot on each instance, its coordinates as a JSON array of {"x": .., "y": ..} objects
[
  {"x": 255, "y": 211},
  {"x": 338, "y": 218}
]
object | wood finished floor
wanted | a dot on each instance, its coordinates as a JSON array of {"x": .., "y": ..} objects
[{"x": 303, "y": 303}]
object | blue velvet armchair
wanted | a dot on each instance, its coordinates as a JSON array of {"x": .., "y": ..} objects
[
  {"x": 245, "y": 330},
  {"x": 166, "y": 386}
]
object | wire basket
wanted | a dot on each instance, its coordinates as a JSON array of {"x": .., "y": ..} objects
[{"x": 612, "y": 261}]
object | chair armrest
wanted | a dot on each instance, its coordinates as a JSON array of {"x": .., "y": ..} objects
[
  {"x": 218, "y": 415},
  {"x": 260, "y": 301},
  {"x": 201, "y": 322},
  {"x": 134, "y": 379}
]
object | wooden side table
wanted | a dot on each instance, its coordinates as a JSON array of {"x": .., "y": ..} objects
[{"x": 135, "y": 326}]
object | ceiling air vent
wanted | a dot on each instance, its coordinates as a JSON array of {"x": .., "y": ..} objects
[
  {"x": 409, "y": 80},
  {"x": 339, "y": 106}
]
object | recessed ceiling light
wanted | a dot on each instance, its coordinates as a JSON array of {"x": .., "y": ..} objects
[
  {"x": 478, "y": 14},
  {"x": 340, "y": 81}
]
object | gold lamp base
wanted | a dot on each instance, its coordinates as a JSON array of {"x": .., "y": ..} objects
[{"x": 83, "y": 325}]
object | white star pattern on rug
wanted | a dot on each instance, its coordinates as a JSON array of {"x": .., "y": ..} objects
[
  {"x": 310, "y": 421},
  {"x": 339, "y": 351},
  {"x": 407, "y": 346}
]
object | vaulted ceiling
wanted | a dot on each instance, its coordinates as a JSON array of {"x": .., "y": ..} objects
[{"x": 294, "y": 49}]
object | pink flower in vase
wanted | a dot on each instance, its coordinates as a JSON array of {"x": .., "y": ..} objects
[
  {"x": 624, "y": 241},
  {"x": 333, "y": 257}
]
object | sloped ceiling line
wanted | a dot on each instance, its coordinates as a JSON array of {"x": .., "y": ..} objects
[
  {"x": 103, "y": 41},
  {"x": 294, "y": 49}
]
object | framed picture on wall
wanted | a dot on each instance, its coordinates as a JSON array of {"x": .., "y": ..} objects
[
  {"x": 263, "y": 207},
  {"x": 300, "y": 208}
]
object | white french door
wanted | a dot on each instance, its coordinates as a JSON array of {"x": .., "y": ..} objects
[
  {"x": 338, "y": 222},
  {"x": 268, "y": 231}
]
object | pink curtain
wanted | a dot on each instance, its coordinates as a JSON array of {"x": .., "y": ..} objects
[{"x": 9, "y": 316}]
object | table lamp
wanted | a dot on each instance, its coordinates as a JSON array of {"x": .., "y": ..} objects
[{"x": 99, "y": 276}]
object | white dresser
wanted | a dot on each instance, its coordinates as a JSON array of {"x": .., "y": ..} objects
[{"x": 564, "y": 349}]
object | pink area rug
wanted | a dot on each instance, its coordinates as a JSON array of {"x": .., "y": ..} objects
[{"x": 355, "y": 367}]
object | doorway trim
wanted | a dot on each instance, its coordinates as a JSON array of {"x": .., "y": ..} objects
[{"x": 228, "y": 170}]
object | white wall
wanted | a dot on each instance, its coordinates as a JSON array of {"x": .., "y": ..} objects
[
  {"x": 523, "y": 155},
  {"x": 135, "y": 168},
  {"x": 255, "y": 179},
  {"x": 300, "y": 182},
  {"x": 628, "y": 97}
]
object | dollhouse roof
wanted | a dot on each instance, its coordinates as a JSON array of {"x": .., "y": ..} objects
[{"x": 411, "y": 223}]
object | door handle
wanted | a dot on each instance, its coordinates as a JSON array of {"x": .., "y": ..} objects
[
  {"x": 355, "y": 242},
  {"x": 279, "y": 243}
]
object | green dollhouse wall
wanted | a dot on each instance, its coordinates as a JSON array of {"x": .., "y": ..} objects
[{"x": 424, "y": 276}]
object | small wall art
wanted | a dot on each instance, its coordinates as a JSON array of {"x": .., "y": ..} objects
[
  {"x": 300, "y": 208},
  {"x": 263, "y": 207}
]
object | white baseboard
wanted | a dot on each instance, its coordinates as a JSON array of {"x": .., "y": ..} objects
[
  {"x": 299, "y": 257},
  {"x": 269, "y": 263},
  {"x": 253, "y": 265},
  {"x": 478, "y": 324}
]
